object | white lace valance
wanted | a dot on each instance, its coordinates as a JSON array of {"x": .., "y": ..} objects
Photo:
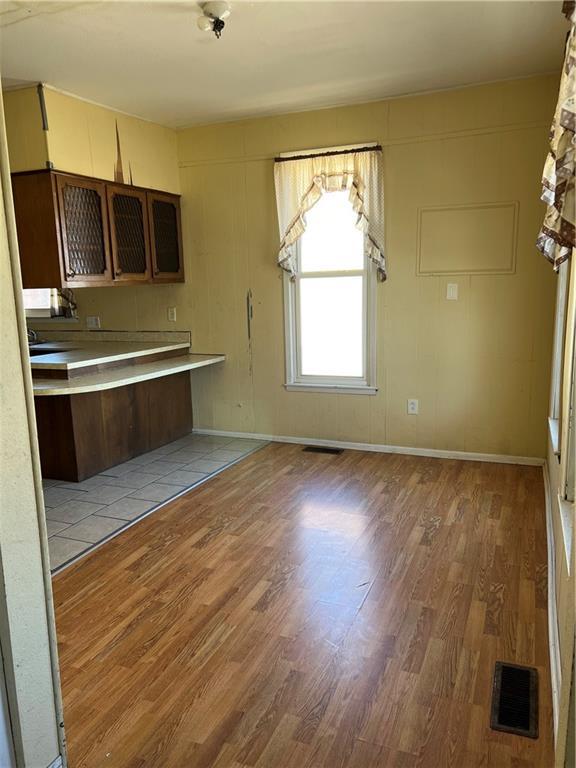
[{"x": 301, "y": 181}]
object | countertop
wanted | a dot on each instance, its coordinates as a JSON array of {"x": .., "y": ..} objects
[
  {"x": 120, "y": 377},
  {"x": 82, "y": 354}
]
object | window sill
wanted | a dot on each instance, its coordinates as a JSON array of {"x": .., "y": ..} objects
[
  {"x": 333, "y": 389},
  {"x": 554, "y": 429},
  {"x": 567, "y": 519}
]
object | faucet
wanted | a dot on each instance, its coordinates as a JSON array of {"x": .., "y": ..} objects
[{"x": 32, "y": 336}]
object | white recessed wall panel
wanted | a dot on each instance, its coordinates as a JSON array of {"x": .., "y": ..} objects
[{"x": 467, "y": 239}]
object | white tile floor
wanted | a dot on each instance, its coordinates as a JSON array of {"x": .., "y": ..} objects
[{"x": 80, "y": 516}]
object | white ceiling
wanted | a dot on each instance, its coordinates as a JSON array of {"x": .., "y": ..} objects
[{"x": 151, "y": 60}]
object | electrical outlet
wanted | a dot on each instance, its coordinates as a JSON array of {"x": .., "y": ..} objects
[
  {"x": 92, "y": 322},
  {"x": 452, "y": 291},
  {"x": 172, "y": 314},
  {"x": 412, "y": 407}
]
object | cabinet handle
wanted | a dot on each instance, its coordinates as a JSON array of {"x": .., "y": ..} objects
[{"x": 70, "y": 274}]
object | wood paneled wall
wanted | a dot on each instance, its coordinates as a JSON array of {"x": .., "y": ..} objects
[{"x": 479, "y": 366}]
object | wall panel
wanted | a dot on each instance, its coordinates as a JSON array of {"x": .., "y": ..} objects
[{"x": 479, "y": 365}]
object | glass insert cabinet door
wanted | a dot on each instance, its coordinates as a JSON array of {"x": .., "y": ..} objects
[
  {"x": 129, "y": 233},
  {"x": 84, "y": 229},
  {"x": 165, "y": 237}
]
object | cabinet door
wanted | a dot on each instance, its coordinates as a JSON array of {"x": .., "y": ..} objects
[
  {"x": 129, "y": 235},
  {"x": 38, "y": 227},
  {"x": 84, "y": 227},
  {"x": 165, "y": 237}
]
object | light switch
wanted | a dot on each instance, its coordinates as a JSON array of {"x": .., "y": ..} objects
[
  {"x": 452, "y": 291},
  {"x": 92, "y": 322},
  {"x": 172, "y": 314}
]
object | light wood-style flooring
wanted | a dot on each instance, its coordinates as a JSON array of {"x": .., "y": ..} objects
[{"x": 303, "y": 610}]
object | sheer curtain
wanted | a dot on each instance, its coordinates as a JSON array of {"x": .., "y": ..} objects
[{"x": 302, "y": 180}]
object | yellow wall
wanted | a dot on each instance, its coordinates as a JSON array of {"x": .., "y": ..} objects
[
  {"x": 479, "y": 366},
  {"x": 27, "y": 146},
  {"x": 82, "y": 139}
]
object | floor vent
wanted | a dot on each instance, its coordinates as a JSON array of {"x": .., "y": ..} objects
[
  {"x": 515, "y": 700},
  {"x": 322, "y": 449}
]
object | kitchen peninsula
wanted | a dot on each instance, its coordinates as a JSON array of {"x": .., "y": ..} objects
[{"x": 100, "y": 403}]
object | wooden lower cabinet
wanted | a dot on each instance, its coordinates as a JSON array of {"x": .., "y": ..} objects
[{"x": 83, "y": 434}]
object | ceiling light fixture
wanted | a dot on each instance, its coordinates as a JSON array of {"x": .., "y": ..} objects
[{"x": 213, "y": 15}]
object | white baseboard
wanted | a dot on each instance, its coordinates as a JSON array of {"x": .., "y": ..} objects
[
  {"x": 434, "y": 453},
  {"x": 553, "y": 636}
]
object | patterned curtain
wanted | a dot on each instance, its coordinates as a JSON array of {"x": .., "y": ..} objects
[
  {"x": 301, "y": 182},
  {"x": 557, "y": 237}
]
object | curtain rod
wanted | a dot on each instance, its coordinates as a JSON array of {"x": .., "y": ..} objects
[{"x": 375, "y": 148}]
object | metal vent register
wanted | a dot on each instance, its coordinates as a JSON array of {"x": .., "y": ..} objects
[{"x": 515, "y": 700}]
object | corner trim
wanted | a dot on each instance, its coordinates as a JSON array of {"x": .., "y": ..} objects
[
  {"x": 434, "y": 453},
  {"x": 553, "y": 638}
]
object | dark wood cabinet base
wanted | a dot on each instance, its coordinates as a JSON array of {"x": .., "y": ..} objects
[{"x": 84, "y": 434}]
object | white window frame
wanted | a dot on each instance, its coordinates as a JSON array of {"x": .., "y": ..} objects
[
  {"x": 40, "y": 312},
  {"x": 295, "y": 380},
  {"x": 558, "y": 355},
  {"x": 570, "y": 464},
  {"x": 566, "y": 491},
  {"x": 62, "y": 307}
]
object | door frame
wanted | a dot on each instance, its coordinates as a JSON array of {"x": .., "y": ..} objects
[{"x": 28, "y": 643}]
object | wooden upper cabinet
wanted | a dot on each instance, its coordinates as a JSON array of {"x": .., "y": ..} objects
[
  {"x": 75, "y": 231},
  {"x": 129, "y": 235},
  {"x": 84, "y": 228},
  {"x": 165, "y": 237},
  {"x": 38, "y": 229}
]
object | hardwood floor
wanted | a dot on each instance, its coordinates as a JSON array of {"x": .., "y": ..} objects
[{"x": 312, "y": 611}]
